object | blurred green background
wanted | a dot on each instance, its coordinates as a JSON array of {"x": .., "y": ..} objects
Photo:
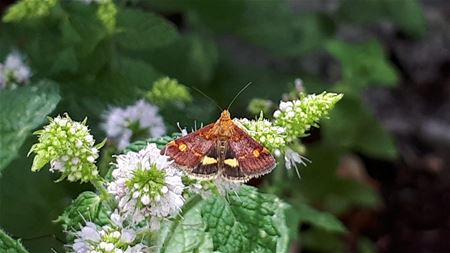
[{"x": 379, "y": 164}]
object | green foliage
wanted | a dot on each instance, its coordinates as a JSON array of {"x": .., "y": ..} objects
[
  {"x": 23, "y": 109},
  {"x": 362, "y": 65},
  {"x": 406, "y": 14},
  {"x": 88, "y": 206},
  {"x": 160, "y": 143},
  {"x": 247, "y": 221},
  {"x": 25, "y": 9},
  {"x": 137, "y": 29},
  {"x": 322, "y": 220},
  {"x": 187, "y": 234},
  {"x": 378, "y": 143},
  {"x": 8, "y": 245}
]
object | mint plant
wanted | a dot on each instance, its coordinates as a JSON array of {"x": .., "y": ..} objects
[{"x": 144, "y": 202}]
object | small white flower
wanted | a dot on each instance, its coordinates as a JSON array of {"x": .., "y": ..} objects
[
  {"x": 109, "y": 238},
  {"x": 225, "y": 186},
  {"x": 146, "y": 185},
  {"x": 14, "y": 71},
  {"x": 121, "y": 124},
  {"x": 292, "y": 158},
  {"x": 205, "y": 188},
  {"x": 285, "y": 106}
]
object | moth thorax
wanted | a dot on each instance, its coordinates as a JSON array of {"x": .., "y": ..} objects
[{"x": 224, "y": 132}]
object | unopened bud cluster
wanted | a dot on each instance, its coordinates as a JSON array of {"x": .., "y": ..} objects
[
  {"x": 265, "y": 132},
  {"x": 69, "y": 148}
]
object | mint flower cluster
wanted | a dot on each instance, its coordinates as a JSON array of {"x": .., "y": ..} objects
[
  {"x": 168, "y": 90},
  {"x": 113, "y": 238},
  {"x": 297, "y": 116},
  {"x": 271, "y": 136},
  {"x": 146, "y": 186},
  {"x": 291, "y": 120},
  {"x": 69, "y": 148}
]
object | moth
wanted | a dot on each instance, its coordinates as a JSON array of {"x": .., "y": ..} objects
[{"x": 220, "y": 149}]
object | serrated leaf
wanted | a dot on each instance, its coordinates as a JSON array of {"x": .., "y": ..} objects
[
  {"x": 138, "y": 30},
  {"x": 22, "y": 110},
  {"x": 8, "y": 245},
  {"x": 248, "y": 222},
  {"x": 160, "y": 143},
  {"x": 322, "y": 220},
  {"x": 24, "y": 9},
  {"x": 88, "y": 206}
]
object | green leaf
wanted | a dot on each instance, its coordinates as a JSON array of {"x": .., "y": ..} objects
[
  {"x": 186, "y": 234},
  {"x": 271, "y": 24},
  {"x": 248, "y": 222},
  {"x": 406, "y": 14},
  {"x": 411, "y": 17},
  {"x": 160, "y": 143},
  {"x": 316, "y": 240},
  {"x": 8, "y": 245},
  {"x": 66, "y": 60},
  {"x": 28, "y": 9},
  {"x": 319, "y": 219},
  {"x": 23, "y": 109},
  {"x": 192, "y": 59},
  {"x": 362, "y": 64},
  {"x": 88, "y": 206},
  {"x": 138, "y": 30}
]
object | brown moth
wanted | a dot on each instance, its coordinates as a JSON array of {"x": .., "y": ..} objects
[{"x": 220, "y": 149}]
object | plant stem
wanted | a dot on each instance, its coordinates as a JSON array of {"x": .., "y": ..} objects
[{"x": 98, "y": 184}]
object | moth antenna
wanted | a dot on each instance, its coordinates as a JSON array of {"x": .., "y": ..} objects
[
  {"x": 208, "y": 97},
  {"x": 237, "y": 95}
]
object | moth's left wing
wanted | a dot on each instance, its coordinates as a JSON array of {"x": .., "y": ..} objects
[
  {"x": 194, "y": 153},
  {"x": 246, "y": 158}
]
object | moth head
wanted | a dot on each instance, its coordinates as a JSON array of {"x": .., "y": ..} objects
[{"x": 225, "y": 116}]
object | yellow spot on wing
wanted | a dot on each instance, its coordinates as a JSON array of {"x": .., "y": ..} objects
[
  {"x": 208, "y": 160},
  {"x": 231, "y": 162},
  {"x": 182, "y": 147},
  {"x": 256, "y": 153}
]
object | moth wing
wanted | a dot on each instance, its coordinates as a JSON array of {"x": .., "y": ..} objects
[
  {"x": 194, "y": 153},
  {"x": 252, "y": 158}
]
